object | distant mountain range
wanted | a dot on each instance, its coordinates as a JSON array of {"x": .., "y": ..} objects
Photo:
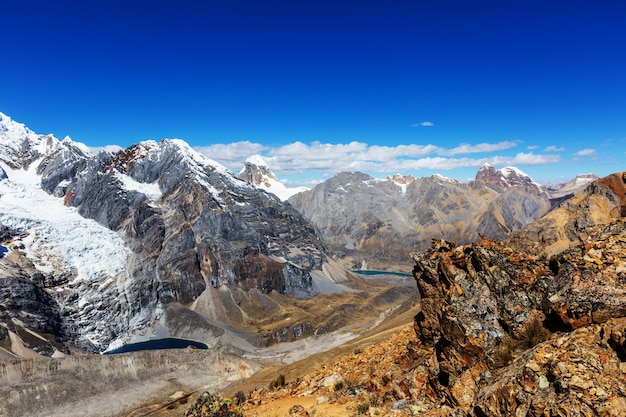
[
  {"x": 156, "y": 241},
  {"x": 375, "y": 223}
]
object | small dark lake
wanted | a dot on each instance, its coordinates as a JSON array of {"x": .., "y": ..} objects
[
  {"x": 374, "y": 272},
  {"x": 166, "y": 343}
]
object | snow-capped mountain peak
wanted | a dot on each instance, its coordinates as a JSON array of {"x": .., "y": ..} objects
[
  {"x": 257, "y": 160},
  {"x": 256, "y": 171},
  {"x": 506, "y": 177},
  {"x": 114, "y": 237},
  {"x": 13, "y": 129}
]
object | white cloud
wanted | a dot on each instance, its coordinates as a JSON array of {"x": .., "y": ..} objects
[
  {"x": 312, "y": 162},
  {"x": 232, "y": 153},
  {"x": 438, "y": 163},
  {"x": 525, "y": 159},
  {"x": 553, "y": 148},
  {"x": 107, "y": 148},
  {"x": 532, "y": 147},
  {"x": 465, "y": 148},
  {"x": 585, "y": 152},
  {"x": 423, "y": 124},
  {"x": 387, "y": 153}
]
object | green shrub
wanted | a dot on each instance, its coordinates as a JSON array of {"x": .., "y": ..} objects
[
  {"x": 338, "y": 385},
  {"x": 362, "y": 408},
  {"x": 240, "y": 397},
  {"x": 278, "y": 382},
  {"x": 213, "y": 406},
  {"x": 504, "y": 355},
  {"x": 533, "y": 332}
]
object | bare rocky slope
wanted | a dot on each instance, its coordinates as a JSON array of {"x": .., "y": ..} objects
[
  {"x": 601, "y": 202},
  {"x": 375, "y": 223}
]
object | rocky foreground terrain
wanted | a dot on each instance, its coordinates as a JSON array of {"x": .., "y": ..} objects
[{"x": 499, "y": 332}]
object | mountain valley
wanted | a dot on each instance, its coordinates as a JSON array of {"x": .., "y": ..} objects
[{"x": 158, "y": 241}]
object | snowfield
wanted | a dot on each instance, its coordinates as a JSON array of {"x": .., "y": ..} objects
[{"x": 57, "y": 235}]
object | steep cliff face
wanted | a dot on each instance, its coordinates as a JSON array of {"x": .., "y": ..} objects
[
  {"x": 381, "y": 218},
  {"x": 122, "y": 237}
]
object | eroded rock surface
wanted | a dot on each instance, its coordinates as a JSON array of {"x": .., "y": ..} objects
[
  {"x": 570, "y": 224},
  {"x": 485, "y": 313}
]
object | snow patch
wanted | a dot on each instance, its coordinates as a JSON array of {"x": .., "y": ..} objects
[
  {"x": 58, "y": 236},
  {"x": 150, "y": 190},
  {"x": 257, "y": 160},
  {"x": 402, "y": 186}
]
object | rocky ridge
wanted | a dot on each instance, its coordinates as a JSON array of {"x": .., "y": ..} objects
[
  {"x": 567, "y": 189},
  {"x": 568, "y": 225},
  {"x": 372, "y": 222}
]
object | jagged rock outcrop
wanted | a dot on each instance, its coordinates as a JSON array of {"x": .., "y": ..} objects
[
  {"x": 568, "y": 225},
  {"x": 503, "y": 334},
  {"x": 374, "y": 221}
]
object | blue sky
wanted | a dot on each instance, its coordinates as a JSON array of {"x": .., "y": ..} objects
[{"x": 318, "y": 87}]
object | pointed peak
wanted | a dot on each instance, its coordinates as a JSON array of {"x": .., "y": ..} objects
[
  {"x": 508, "y": 176},
  {"x": 401, "y": 179},
  {"x": 256, "y": 160},
  {"x": 256, "y": 172}
]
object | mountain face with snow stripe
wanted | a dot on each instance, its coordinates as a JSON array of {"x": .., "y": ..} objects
[
  {"x": 505, "y": 177},
  {"x": 257, "y": 172},
  {"x": 135, "y": 232}
]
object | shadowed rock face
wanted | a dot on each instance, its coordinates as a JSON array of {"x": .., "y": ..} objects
[{"x": 501, "y": 333}]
